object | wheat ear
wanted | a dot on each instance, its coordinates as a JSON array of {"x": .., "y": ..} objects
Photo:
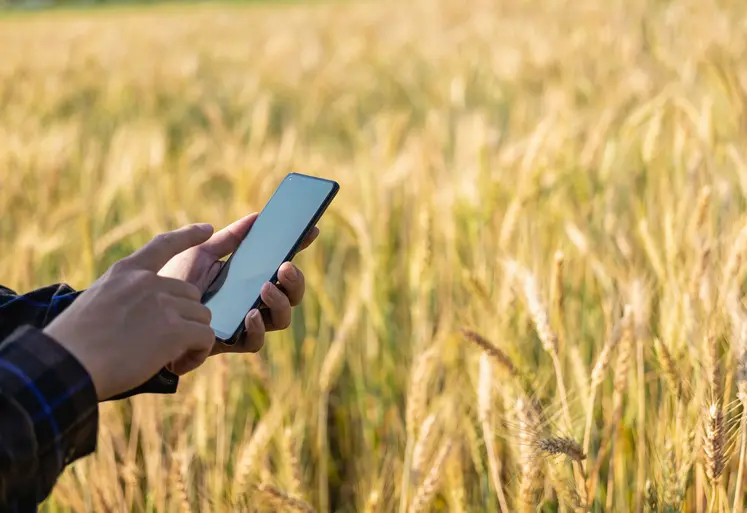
[
  {"x": 250, "y": 454},
  {"x": 562, "y": 445},
  {"x": 293, "y": 466},
  {"x": 740, "y": 328},
  {"x": 283, "y": 500},
  {"x": 527, "y": 424},
  {"x": 423, "y": 446},
  {"x": 429, "y": 487},
  {"x": 416, "y": 405}
]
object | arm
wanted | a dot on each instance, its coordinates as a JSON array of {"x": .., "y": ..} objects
[
  {"x": 48, "y": 416},
  {"x": 40, "y": 307},
  {"x": 130, "y": 323}
]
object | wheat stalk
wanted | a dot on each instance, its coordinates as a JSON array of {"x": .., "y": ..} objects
[
  {"x": 539, "y": 315},
  {"x": 670, "y": 371},
  {"x": 250, "y": 454},
  {"x": 566, "y": 490},
  {"x": 598, "y": 372},
  {"x": 293, "y": 466},
  {"x": 510, "y": 218},
  {"x": 417, "y": 395},
  {"x": 527, "y": 423},
  {"x": 697, "y": 284},
  {"x": 702, "y": 208},
  {"x": 428, "y": 489},
  {"x": 455, "y": 488},
  {"x": 714, "y": 366},
  {"x": 625, "y": 348},
  {"x": 558, "y": 289},
  {"x": 714, "y": 437},
  {"x": 549, "y": 344},
  {"x": 179, "y": 483},
  {"x": 423, "y": 446},
  {"x": 416, "y": 406},
  {"x": 330, "y": 369},
  {"x": 283, "y": 500},
  {"x": 734, "y": 262},
  {"x": 641, "y": 315},
  {"x": 740, "y": 329},
  {"x": 484, "y": 413},
  {"x": 673, "y": 495}
]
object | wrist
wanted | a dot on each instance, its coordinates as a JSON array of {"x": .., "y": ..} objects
[{"x": 87, "y": 358}]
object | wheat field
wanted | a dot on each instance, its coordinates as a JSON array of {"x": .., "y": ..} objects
[{"x": 528, "y": 295}]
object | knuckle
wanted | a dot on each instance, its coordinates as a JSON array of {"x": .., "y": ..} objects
[
  {"x": 192, "y": 291},
  {"x": 207, "y": 314},
  {"x": 143, "y": 277},
  {"x": 120, "y": 265},
  {"x": 161, "y": 238},
  {"x": 137, "y": 278},
  {"x": 206, "y": 337},
  {"x": 162, "y": 303},
  {"x": 173, "y": 324}
]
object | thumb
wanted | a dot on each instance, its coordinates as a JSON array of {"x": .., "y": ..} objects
[
  {"x": 225, "y": 241},
  {"x": 165, "y": 246}
]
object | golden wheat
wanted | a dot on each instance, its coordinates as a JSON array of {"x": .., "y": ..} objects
[{"x": 524, "y": 169}]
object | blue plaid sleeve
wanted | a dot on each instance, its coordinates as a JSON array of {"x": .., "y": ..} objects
[
  {"x": 48, "y": 416},
  {"x": 36, "y": 308},
  {"x": 40, "y": 307}
]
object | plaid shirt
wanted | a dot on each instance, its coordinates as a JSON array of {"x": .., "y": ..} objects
[{"x": 48, "y": 404}]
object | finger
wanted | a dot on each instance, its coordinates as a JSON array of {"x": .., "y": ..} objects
[
  {"x": 226, "y": 240},
  {"x": 292, "y": 281},
  {"x": 165, "y": 246},
  {"x": 197, "y": 336},
  {"x": 278, "y": 305},
  {"x": 179, "y": 288},
  {"x": 189, "y": 361},
  {"x": 254, "y": 338},
  {"x": 190, "y": 310},
  {"x": 310, "y": 238},
  {"x": 213, "y": 272}
]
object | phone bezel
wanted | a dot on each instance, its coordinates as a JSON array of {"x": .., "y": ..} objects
[{"x": 241, "y": 328}]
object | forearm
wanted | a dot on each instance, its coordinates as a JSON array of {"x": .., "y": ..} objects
[{"x": 48, "y": 416}]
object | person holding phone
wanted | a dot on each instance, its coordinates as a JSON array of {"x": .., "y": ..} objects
[{"x": 135, "y": 330}]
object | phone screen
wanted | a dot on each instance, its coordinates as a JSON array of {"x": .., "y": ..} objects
[{"x": 283, "y": 221}]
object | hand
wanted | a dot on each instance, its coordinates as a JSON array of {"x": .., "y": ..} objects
[
  {"x": 131, "y": 322},
  {"x": 199, "y": 265}
]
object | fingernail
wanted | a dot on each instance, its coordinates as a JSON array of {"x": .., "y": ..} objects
[
  {"x": 206, "y": 227},
  {"x": 291, "y": 273},
  {"x": 255, "y": 318},
  {"x": 273, "y": 291}
]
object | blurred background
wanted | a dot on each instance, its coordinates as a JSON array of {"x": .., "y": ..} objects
[{"x": 526, "y": 297}]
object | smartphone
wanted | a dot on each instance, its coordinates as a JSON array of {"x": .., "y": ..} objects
[{"x": 275, "y": 237}]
